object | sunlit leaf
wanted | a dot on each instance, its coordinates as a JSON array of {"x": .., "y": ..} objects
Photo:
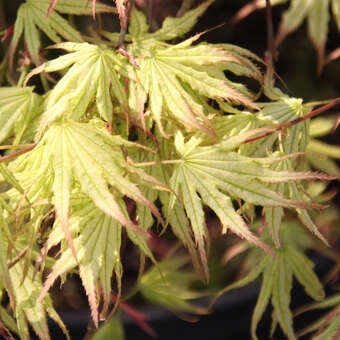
[
  {"x": 94, "y": 74},
  {"x": 177, "y": 27},
  {"x": 28, "y": 308},
  {"x": 219, "y": 176},
  {"x": 18, "y": 107},
  {"x": 32, "y": 16},
  {"x": 171, "y": 74}
]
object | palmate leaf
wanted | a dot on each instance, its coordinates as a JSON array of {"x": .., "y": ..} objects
[
  {"x": 178, "y": 221},
  {"x": 32, "y": 16},
  {"x": 166, "y": 72},
  {"x": 79, "y": 157},
  {"x": 28, "y": 309},
  {"x": 169, "y": 286},
  {"x": 274, "y": 215},
  {"x": 177, "y": 27},
  {"x": 213, "y": 175},
  {"x": 95, "y": 166},
  {"x": 18, "y": 107},
  {"x": 283, "y": 110},
  {"x": 327, "y": 327},
  {"x": 94, "y": 75},
  {"x": 113, "y": 329},
  {"x": 277, "y": 276},
  {"x": 317, "y": 13},
  {"x": 97, "y": 241}
]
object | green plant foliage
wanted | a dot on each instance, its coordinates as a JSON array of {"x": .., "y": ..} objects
[
  {"x": 32, "y": 17},
  {"x": 170, "y": 73},
  {"x": 91, "y": 65},
  {"x": 328, "y": 326},
  {"x": 142, "y": 136},
  {"x": 113, "y": 329},
  {"x": 19, "y": 107},
  {"x": 169, "y": 286},
  {"x": 316, "y": 12},
  {"x": 277, "y": 275}
]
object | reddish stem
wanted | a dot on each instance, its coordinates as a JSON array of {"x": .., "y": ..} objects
[
  {"x": 137, "y": 316},
  {"x": 8, "y": 33},
  {"x": 17, "y": 153},
  {"x": 296, "y": 121}
]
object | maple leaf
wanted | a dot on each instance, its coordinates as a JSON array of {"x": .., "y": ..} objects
[
  {"x": 97, "y": 241},
  {"x": 18, "y": 108},
  {"x": 176, "y": 217},
  {"x": 32, "y": 16},
  {"x": 315, "y": 11},
  {"x": 219, "y": 175},
  {"x": 327, "y": 327},
  {"x": 94, "y": 166},
  {"x": 169, "y": 286},
  {"x": 94, "y": 74},
  {"x": 277, "y": 275},
  {"x": 170, "y": 74},
  {"x": 28, "y": 309}
]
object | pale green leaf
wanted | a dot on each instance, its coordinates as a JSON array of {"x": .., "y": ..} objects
[
  {"x": 322, "y": 126},
  {"x": 92, "y": 76},
  {"x": 318, "y": 28},
  {"x": 317, "y": 147},
  {"x": 293, "y": 17},
  {"x": 4, "y": 270},
  {"x": 169, "y": 286},
  {"x": 137, "y": 24},
  {"x": 303, "y": 214},
  {"x": 331, "y": 331},
  {"x": 274, "y": 217},
  {"x": 98, "y": 252},
  {"x": 194, "y": 209},
  {"x": 10, "y": 178},
  {"x": 264, "y": 296},
  {"x": 62, "y": 184},
  {"x": 282, "y": 286},
  {"x": 336, "y": 11},
  {"x": 18, "y": 108},
  {"x": 8, "y": 320},
  {"x": 28, "y": 308},
  {"x": 177, "y": 27},
  {"x": 33, "y": 14},
  {"x": 303, "y": 270},
  {"x": 254, "y": 273},
  {"x": 331, "y": 301},
  {"x": 112, "y": 329}
]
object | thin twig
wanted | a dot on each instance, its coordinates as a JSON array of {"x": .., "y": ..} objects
[
  {"x": 295, "y": 121},
  {"x": 270, "y": 34},
  {"x": 17, "y": 153},
  {"x": 124, "y": 29}
]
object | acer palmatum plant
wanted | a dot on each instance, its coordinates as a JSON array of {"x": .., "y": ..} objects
[{"x": 141, "y": 132}]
